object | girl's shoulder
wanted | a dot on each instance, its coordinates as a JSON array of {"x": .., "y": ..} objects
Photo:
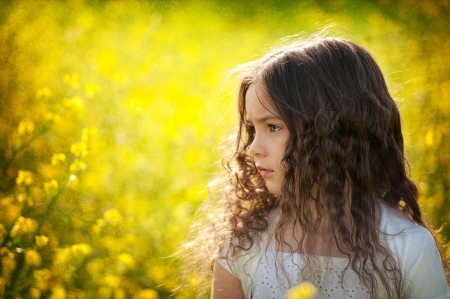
[
  {"x": 417, "y": 253},
  {"x": 402, "y": 234}
]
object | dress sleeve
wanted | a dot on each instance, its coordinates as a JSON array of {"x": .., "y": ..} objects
[
  {"x": 223, "y": 260},
  {"x": 423, "y": 269}
]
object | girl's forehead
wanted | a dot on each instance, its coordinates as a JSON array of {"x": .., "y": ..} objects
[{"x": 257, "y": 101}]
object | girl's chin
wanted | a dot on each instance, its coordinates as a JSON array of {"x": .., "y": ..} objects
[{"x": 274, "y": 191}]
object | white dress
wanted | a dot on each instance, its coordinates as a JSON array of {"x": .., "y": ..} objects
[
  {"x": 327, "y": 280},
  {"x": 411, "y": 243}
]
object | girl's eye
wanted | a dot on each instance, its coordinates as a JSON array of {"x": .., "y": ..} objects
[
  {"x": 251, "y": 129},
  {"x": 274, "y": 128}
]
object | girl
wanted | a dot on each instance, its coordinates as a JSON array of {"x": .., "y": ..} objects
[{"x": 318, "y": 187}]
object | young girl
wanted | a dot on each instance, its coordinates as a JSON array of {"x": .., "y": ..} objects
[{"x": 318, "y": 184}]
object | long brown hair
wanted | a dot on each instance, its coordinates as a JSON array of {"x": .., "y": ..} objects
[{"x": 344, "y": 129}]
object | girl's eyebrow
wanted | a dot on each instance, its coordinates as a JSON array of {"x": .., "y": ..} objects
[{"x": 264, "y": 118}]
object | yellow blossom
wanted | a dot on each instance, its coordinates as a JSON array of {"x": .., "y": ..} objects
[
  {"x": 52, "y": 117},
  {"x": 25, "y": 127},
  {"x": 24, "y": 178},
  {"x": 33, "y": 258},
  {"x": 126, "y": 260},
  {"x": 35, "y": 293},
  {"x": 8, "y": 264},
  {"x": 100, "y": 222},
  {"x": 104, "y": 292},
  {"x": 42, "y": 278},
  {"x": 77, "y": 165},
  {"x": 92, "y": 89},
  {"x": 43, "y": 93},
  {"x": 119, "y": 78},
  {"x": 57, "y": 159},
  {"x": 111, "y": 280},
  {"x": 51, "y": 186},
  {"x": 88, "y": 132},
  {"x": 96, "y": 229},
  {"x": 8, "y": 210},
  {"x": 75, "y": 103},
  {"x": 147, "y": 294},
  {"x": 95, "y": 266},
  {"x": 79, "y": 149},
  {"x": 62, "y": 257},
  {"x": 83, "y": 249},
  {"x": 41, "y": 241},
  {"x": 112, "y": 216},
  {"x": 58, "y": 293},
  {"x": 21, "y": 198},
  {"x": 304, "y": 290},
  {"x": 119, "y": 293},
  {"x": 23, "y": 226},
  {"x": 72, "y": 80}
]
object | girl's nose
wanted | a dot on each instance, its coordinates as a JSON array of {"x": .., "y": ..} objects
[{"x": 257, "y": 147}]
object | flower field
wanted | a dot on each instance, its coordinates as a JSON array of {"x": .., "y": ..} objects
[{"x": 114, "y": 116}]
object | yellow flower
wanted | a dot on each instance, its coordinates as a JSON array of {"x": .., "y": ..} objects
[
  {"x": 96, "y": 229},
  {"x": 52, "y": 117},
  {"x": 25, "y": 127},
  {"x": 95, "y": 266},
  {"x": 147, "y": 294},
  {"x": 111, "y": 280},
  {"x": 79, "y": 149},
  {"x": 119, "y": 293},
  {"x": 112, "y": 216},
  {"x": 9, "y": 211},
  {"x": 33, "y": 258},
  {"x": 41, "y": 241},
  {"x": 88, "y": 132},
  {"x": 41, "y": 278},
  {"x": 304, "y": 290},
  {"x": 58, "y": 293},
  {"x": 77, "y": 165},
  {"x": 35, "y": 293},
  {"x": 72, "y": 80},
  {"x": 75, "y": 103},
  {"x": 8, "y": 264},
  {"x": 51, "y": 186},
  {"x": 23, "y": 226},
  {"x": 24, "y": 178},
  {"x": 104, "y": 292},
  {"x": 57, "y": 159},
  {"x": 119, "y": 78},
  {"x": 82, "y": 249},
  {"x": 43, "y": 93},
  {"x": 92, "y": 89},
  {"x": 126, "y": 260}
]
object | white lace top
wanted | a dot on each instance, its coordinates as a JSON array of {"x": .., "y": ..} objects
[
  {"x": 410, "y": 243},
  {"x": 328, "y": 279}
]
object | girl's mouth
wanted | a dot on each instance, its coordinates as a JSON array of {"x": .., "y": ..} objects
[{"x": 264, "y": 171}]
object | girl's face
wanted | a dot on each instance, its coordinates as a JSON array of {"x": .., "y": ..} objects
[{"x": 270, "y": 138}]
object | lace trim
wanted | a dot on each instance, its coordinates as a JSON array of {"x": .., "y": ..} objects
[{"x": 327, "y": 279}]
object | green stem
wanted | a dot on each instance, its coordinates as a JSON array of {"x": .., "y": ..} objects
[{"x": 41, "y": 130}]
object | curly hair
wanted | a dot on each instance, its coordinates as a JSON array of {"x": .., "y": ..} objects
[{"x": 344, "y": 154}]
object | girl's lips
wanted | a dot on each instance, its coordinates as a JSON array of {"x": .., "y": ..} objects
[{"x": 264, "y": 172}]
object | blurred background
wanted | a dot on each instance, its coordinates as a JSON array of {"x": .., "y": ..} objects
[{"x": 114, "y": 114}]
